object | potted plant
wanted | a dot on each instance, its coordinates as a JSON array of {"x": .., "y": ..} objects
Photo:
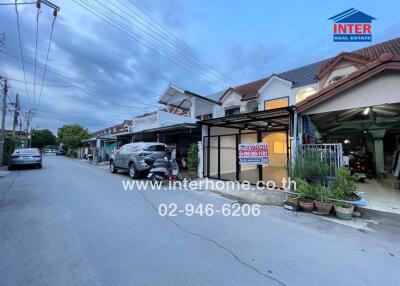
[
  {"x": 322, "y": 202},
  {"x": 306, "y": 195},
  {"x": 291, "y": 203},
  {"x": 343, "y": 210},
  {"x": 343, "y": 186}
]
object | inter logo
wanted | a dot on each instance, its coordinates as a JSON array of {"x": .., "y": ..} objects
[{"x": 352, "y": 26}]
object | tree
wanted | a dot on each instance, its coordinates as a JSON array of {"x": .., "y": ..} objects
[
  {"x": 71, "y": 135},
  {"x": 42, "y": 138}
]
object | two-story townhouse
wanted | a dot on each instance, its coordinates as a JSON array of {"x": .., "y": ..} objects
[{"x": 303, "y": 105}]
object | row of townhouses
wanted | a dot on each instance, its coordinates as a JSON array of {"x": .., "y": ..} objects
[{"x": 352, "y": 98}]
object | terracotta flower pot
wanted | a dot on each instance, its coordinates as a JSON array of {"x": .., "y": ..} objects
[
  {"x": 323, "y": 208},
  {"x": 344, "y": 213},
  {"x": 307, "y": 206}
]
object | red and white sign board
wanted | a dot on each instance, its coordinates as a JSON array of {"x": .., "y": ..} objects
[{"x": 255, "y": 153}]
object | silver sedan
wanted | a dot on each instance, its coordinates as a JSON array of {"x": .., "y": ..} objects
[{"x": 25, "y": 157}]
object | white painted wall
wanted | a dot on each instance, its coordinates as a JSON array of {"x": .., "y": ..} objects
[
  {"x": 233, "y": 100},
  {"x": 344, "y": 71},
  {"x": 275, "y": 88},
  {"x": 382, "y": 89},
  {"x": 160, "y": 119},
  {"x": 203, "y": 107}
]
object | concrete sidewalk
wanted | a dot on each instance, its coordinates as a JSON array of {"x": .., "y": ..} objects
[{"x": 251, "y": 195}]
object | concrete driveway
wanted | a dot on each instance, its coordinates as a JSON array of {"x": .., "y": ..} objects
[{"x": 72, "y": 223}]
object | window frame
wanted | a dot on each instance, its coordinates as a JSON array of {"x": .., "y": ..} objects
[
  {"x": 278, "y": 98},
  {"x": 232, "y": 108}
]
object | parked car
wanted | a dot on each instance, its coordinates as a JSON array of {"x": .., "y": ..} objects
[
  {"x": 25, "y": 157},
  {"x": 131, "y": 157},
  {"x": 60, "y": 152}
]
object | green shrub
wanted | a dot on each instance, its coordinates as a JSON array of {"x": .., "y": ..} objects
[
  {"x": 343, "y": 184},
  {"x": 193, "y": 157},
  {"x": 305, "y": 190},
  {"x": 10, "y": 144},
  {"x": 307, "y": 163},
  {"x": 322, "y": 194}
]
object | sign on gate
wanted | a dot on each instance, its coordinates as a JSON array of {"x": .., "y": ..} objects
[{"x": 255, "y": 153}]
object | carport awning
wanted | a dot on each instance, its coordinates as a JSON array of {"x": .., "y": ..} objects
[
  {"x": 358, "y": 119},
  {"x": 275, "y": 119},
  {"x": 180, "y": 98}
]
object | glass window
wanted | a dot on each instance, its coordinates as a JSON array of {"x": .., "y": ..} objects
[
  {"x": 156, "y": 148},
  {"x": 304, "y": 93},
  {"x": 232, "y": 111},
  {"x": 252, "y": 106},
  {"x": 276, "y": 103}
]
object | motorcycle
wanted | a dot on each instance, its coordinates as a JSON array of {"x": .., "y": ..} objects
[
  {"x": 167, "y": 170},
  {"x": 362, "y": 166}
]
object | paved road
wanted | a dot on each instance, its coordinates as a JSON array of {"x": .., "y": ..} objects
[{"x": 72, "y": 224}]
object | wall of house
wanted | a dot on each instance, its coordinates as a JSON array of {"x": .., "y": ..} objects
[
  {"x": 161, "y": 118},
  {"x": 233, "y": 100},
  {"x": 203, "y": 107},
  {"x": 381, "y": 89},
  {"x": 344, "y": 67},
  {"x": 275, "y": 88}
]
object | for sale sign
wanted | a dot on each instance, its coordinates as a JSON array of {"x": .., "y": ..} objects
[{"x": 255, "y": 153}]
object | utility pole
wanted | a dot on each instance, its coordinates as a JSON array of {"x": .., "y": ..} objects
[
  {"x": 3, "y": 121},
  {"x": 28, "y": 117},
  {"x": 16, "y": 113},
  {"x": 4, "y": 110}
]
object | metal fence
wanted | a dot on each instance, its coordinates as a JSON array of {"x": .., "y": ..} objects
[{"x": 331, "y": 154}]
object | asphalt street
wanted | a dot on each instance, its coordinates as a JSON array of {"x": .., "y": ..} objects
[{"x": 71, "y": 223}]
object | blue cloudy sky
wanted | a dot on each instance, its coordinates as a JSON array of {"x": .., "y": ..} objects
[{"x": 99, "y": 76}]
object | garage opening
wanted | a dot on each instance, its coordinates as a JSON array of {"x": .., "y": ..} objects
[
  {"x": 370, "y": 137},
  {"x": 269, "y": 128}
]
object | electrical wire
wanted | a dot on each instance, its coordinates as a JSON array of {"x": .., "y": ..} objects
[
  {"x": 36, "y": 49},
  {"x": 47, "y": 57},
  {"x": 20, "y": 47},
  {"x": 176, "y": 47},
  {"x": 159, "y": 27},
  {"x": 156, "y": 47},
  {"x": 128, "y": 32},
  {"x": 22, "y": 3},
  {"x": 70, "y": 78}
]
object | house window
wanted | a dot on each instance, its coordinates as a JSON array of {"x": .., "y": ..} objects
[
  {"x": 204, "y": 116},
  {"x": 276, "y": 103},
  {"x": 336, "y": 78},
  {"x": 207, "y": 116},
  {"x": 304, "y": 93},
  {"x": 232, "y": 111},
  {"x": 252, "y": 106}
]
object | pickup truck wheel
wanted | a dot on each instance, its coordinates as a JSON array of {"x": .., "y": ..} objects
[
  {"x": 112, "y": 167},
  {"x": 133, "y": 173}
]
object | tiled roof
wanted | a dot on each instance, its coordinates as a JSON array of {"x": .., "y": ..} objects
[
  {"x": 384, "y": 61},
  {"x": 250, "y": 90},
  {"x": 306, "y": 75},
  {"x": 373, "y": 52}
]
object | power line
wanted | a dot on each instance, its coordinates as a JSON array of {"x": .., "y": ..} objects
[
  {"x": 156, "y": 47},
  {"x": 145, "y": 42},
  {"x": 172, "y": 44},
  {"x": 20, "y": 47},
  {"x": 70, "y": 78},
  {"x": 173, "y": 37},
  {"x": 22, "y": 3},
  {"x": 36, "y": 48},
  {"x": 47, "y": 56}
]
